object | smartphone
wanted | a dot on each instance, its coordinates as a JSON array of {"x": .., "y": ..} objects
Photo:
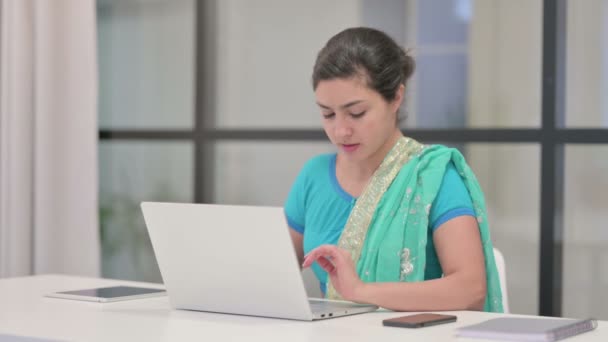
[{"x": 418, "y": 320}]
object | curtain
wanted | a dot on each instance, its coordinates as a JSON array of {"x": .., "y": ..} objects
[{"x": 48, "y": 138}]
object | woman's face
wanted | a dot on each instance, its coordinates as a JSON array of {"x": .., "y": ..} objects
[{"x": 357, "y": 119}]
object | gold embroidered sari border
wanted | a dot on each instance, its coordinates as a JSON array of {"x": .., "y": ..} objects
[{"x": 360, "y": 218}]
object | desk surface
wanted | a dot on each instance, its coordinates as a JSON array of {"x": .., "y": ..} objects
[{"x": 25, "y": 312}]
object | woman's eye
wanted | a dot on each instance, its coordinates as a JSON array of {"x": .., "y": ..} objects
[
  {"x": 329, "y": 115},
  {"x": 357, "y": 115}
]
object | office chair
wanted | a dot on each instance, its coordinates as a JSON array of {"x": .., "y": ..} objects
[{"x": 502, "y": 275}]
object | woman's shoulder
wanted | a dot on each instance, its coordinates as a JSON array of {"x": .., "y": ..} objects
[
  {"x": 315, "y": 170},
  {"x": 436, "y": 150},
  {"x": 437, "y": 156},
  {"x": 319, "y": 163}
]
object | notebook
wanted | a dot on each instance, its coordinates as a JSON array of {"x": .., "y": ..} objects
[
  {"x": 234, "y": 260},
  {"x": 527, "y": 329}
]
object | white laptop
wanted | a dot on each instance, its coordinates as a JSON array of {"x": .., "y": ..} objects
[{"x": 235, "y": 260}]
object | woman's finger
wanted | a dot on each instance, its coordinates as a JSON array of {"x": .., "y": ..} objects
[
  {"x": 326, "y": 264},
  {"x": 327, "y": 251},
  {"x": 330, "y": 251}
]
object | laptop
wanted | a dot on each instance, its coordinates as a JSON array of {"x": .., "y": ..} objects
[{"x": 234, "y": 260}]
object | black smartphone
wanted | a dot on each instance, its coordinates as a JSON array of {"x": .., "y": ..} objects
[{"x": 418, "y": 320}]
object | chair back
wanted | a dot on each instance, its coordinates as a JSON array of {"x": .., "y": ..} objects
[{"x": 502, "y": 275}]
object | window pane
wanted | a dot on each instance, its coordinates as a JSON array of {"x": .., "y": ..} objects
[
  {"x": 132, "y": 172},
  {"x": 468, "y": 74},
  {"x": 146, "y": 64},
  {"x": 450, "y": 24},
  {"x": 585, "y": 234},
  {"x": 268, "y": 70},
  {"x": 504, "y": 84},
  {"x": 510, "y": 178},
  {"x": 587, "y": 63},
  {"x": 271, "y": 169},
  {"x": 441, "y": 103}
]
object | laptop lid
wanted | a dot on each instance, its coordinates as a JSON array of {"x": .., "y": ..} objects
[{"x": 227, "y": 259}]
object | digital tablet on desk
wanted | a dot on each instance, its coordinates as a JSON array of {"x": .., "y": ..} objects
[{"x": 109, "y": 294}]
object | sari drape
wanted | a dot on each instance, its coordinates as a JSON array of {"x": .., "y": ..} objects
[{"x": 387, "y": 230}]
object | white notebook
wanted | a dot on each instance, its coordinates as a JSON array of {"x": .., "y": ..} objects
[{"x": 527, "y": 329}]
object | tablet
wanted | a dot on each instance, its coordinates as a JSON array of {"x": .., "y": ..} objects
[{"x": 109, "y": 294}]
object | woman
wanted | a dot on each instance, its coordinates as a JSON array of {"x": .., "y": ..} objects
[{"x": 387, "y": 220}]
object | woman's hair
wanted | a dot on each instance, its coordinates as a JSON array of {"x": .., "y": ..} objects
[{"x": 367, "y": 53}]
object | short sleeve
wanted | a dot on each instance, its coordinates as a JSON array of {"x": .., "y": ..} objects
[
  {"x": 295, "y": 204},
  {"x": 452, "y": 200}
]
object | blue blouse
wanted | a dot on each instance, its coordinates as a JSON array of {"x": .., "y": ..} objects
[{"x": 318, "y": 207}]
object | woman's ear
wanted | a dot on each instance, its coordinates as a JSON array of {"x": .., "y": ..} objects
[{"x": 398, "y": 98}]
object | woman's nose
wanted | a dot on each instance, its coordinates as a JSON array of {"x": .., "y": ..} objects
[{"x": 343, "y": 128}]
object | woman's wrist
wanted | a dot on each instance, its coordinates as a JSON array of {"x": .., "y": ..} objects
[{"x": 363, "y": 293}]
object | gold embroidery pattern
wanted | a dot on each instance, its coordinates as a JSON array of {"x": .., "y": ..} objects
[{"x": 355, "y": 230}]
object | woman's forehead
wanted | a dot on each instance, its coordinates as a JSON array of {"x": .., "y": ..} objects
[{"x": 340, "y": 91}]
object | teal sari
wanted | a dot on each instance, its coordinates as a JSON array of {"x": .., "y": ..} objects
[{"x": 387, "y": 230}]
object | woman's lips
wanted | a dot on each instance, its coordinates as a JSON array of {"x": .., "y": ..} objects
[{"x": 349, "y": 147}]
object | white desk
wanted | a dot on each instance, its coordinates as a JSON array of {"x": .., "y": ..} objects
[{"x": 25, "y": 312}]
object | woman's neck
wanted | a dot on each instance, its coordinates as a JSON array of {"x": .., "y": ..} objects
[{"x": 362, "y": 171}]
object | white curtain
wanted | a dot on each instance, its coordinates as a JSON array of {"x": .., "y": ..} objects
[{"x": 48, "y": 138}]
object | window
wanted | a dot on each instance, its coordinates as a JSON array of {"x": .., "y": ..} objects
[{"x": 221, "y": 88}]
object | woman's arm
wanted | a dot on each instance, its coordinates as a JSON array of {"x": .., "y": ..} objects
[
  {"x": 463, "y": 286},
  {"x": 297, "y": 240}
]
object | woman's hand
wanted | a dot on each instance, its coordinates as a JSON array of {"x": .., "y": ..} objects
[{"x": 339, "y": 265}]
